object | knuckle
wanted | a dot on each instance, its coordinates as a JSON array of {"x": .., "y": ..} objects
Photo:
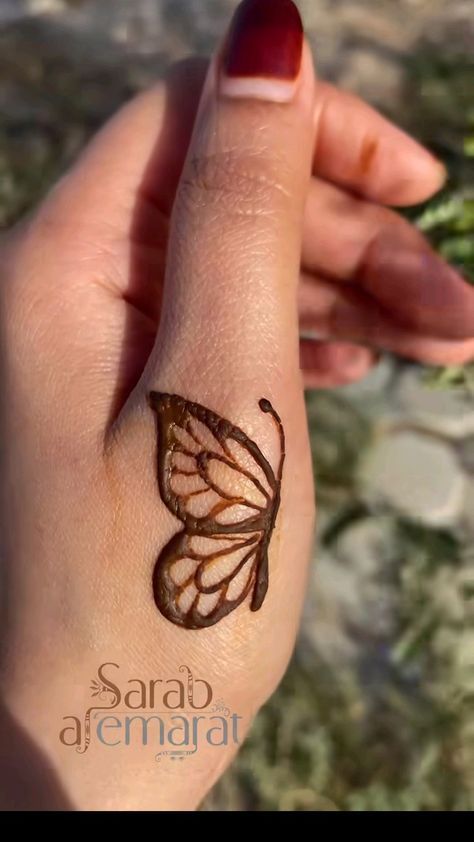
[{"x": 245, "y": 184}]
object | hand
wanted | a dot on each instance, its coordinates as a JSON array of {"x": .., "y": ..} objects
[{"x": 90, "y": 327}]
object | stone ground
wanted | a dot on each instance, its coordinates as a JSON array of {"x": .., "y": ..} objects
[{"x": 388, "y": 602}]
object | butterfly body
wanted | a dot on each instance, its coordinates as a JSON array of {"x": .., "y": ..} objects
[{"x": 218, "y": 483}]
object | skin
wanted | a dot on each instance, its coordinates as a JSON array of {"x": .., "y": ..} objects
[{"x": 280, "y": 222}]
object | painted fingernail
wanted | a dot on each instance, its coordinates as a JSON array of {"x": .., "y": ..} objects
[{"x": 263, "y": 52}]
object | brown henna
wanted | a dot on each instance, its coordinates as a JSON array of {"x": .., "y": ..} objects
[{"x": 254, "y": 531}]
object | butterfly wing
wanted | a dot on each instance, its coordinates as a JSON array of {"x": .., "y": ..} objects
[
  {"x": 198, "y": 581},
  {"x": 215, "y": 479},
  {"x": 211, "y": 475}
]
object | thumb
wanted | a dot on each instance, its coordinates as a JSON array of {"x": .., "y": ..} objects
[
  {"x": 228, "y": 338},
  {"x": 229, "y": 313}
]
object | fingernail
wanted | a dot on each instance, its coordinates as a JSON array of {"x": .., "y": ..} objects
[
  {"x": 263, "y": 52},
  {"x": 352, "y": 360}
]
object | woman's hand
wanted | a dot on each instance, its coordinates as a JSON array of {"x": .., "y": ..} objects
[{"x": 278, "y": 204}]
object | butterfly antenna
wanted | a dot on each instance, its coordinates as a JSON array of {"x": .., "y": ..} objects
[{"x": 266, "y": 406}]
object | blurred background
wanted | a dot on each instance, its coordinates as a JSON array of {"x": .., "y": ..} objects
[{"x": 377, "y": 709}]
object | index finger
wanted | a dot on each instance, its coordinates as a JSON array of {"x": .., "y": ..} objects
[{"x": 362, "y": 151}]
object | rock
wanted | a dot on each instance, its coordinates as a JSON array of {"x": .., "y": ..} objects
[
  {"x": 447, "y": 412},
  {"x": 367, "y": 545},
  {"x": 349, "y": 607},
  {"x": 42, "y": 7},
  {"x": 373, "y": 74},
  {"x": 330, "y": 592},
  {"x": 466, "y": 452},
  {"x": 447, "y": 595},
  {"x": 13, "y": 10},
  {"x": 374, "y": 384},
  {"x": 417, "y": 475},
  {"x": 468, "y": 507},
  {"x": 374, "y": 395}
]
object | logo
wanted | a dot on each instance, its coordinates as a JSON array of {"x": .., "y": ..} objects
[{"x": 173, "y": 717}]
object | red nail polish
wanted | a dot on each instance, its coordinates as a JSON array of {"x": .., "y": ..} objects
[{"x": 265, "y": 40}]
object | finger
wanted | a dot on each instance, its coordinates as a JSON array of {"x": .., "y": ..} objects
[
  {"x": 340, "y": 312},
  {"x": 411, "y": 281},
  {"x": 360, "y": 150},
  {"x": 110, "y": 204},
  {"x": 228, "y": 334},
  {"x": 329, "y": 364},
  {"x": 235, "y": 237},
  {"x": 155, "y": 129},
  {"x": 372, "y": 247}
]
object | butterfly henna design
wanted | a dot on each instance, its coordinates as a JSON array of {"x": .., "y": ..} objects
[{"x": 218, "y": 483}]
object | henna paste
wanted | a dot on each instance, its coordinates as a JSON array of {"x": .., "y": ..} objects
[{"x": 239, "y": 557}]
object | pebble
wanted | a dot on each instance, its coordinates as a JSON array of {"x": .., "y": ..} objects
[
  {"x": 417, "y": 475},
  {"x": 447, "y": 412}
]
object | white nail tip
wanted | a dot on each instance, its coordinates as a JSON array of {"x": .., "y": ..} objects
[{"x": 268, "y": 90}]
